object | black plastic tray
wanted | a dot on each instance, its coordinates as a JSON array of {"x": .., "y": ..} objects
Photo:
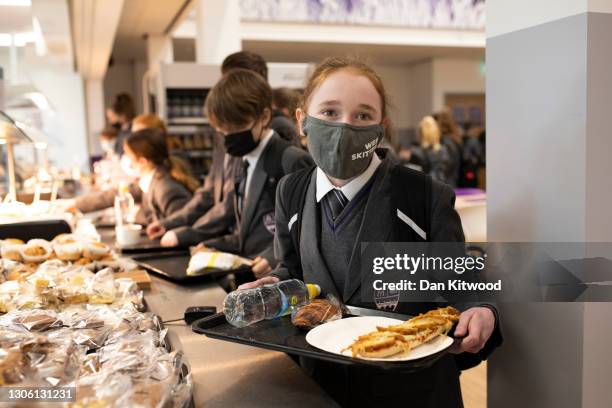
[
  {"x": 173, "y": 265},
  {"x": 281, "y": 335}
]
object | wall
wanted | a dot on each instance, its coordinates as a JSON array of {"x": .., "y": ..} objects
[
  {"x": 421, "y": 91},
  {"x": 455, "y": 76},
  {"x": 124, "y": 77},
  {"x": 396, "y": 79}
]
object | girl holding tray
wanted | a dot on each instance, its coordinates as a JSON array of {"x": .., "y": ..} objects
[{"x": 355, "y": 194}]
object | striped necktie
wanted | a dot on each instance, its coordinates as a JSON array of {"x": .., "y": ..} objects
[{"x": 336, "y": 201}]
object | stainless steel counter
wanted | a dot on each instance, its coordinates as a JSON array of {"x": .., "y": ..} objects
[{"x": 228, "y": 374}]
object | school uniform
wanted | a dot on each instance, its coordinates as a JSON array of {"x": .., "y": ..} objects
[
  {"x": 329, "y": 255},
  {"x": 99, "y": 200},
  {"x": 254, "y": 198},
  {"x": 285, "y": 127},
  {"x": 162, "y": 196},
  {"x": 210, "y": 212}
]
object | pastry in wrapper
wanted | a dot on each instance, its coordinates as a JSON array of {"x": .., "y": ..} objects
[
  {"x": 95, "y": 250},
  {"x": 317, "y": 312},
  {"x": 201, "y": 262},
  {"x": 10, "y": 249},
  {"x": 36, "y": 251}
]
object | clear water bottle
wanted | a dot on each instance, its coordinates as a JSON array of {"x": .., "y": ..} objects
[
  {"x": 124, "y": 205},
  {"x": 245, "y": 307}
]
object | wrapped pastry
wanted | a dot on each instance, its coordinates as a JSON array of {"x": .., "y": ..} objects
[
  {"x": 11, "y": 249},
  {"x": 36, "y": 251},
  {"x": 67, "y": 251},
  {"x": 101, "y": 289},
  {"x": 37, "y": 320},
  {"x": 95, "y": 250},
  {"x": 317, "y": 312},
  {"x": 200, "y": 262},
  {"x": 13, "y": 367},
  {"x": 19, "y": 273},
  {"x": 65, "y": 239}
]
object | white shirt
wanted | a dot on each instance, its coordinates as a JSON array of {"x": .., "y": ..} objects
[
  {"x": 351, "y": 188},
  {"x": 144, "y": 182},
  {"x": 253, "y": 158}
]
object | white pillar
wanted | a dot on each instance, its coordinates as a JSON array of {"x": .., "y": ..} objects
[
  {"x": 548, "y": 106},
  {"x": 159, "y": 49},
  {"x": 94, "y": 101},
  {"x": 217, "y": 30}
]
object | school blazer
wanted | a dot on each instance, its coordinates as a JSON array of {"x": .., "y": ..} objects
[
  {"x": 165, "y": 197},
  {"x": 437, "y": 386},
  {"x": 99, "y": 200},
  {"x": 210, "y": 212},
  {"x": 255, "y": 229}
]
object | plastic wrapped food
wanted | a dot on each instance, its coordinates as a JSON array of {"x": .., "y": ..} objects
[
  {"x": 36, "y": 320},
  {"x": 95, "y": 250},
  {"x": 317, "y": 312},
  {"x": 200, "y": 262},
  {"x": 69, "y": 251},
  {"x": 36, "y": 251},
  {"x": 101, "y": 289},
  {"x": 11, "y": 249}
]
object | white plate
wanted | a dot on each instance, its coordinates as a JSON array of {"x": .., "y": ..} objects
[{"x": 337, "y": 335}]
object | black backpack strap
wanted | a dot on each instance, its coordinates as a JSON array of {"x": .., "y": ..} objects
[
  {"x": 411, "y": 201},
  {"x": 294, "y": 197}
]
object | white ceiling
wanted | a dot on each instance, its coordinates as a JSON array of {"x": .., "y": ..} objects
[
  {"x": 139, "y": 18},
  {"x": 15, "y": 19}
]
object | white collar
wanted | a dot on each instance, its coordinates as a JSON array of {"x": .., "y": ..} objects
[
  {"x": 351, "y": 188},
  {"x": 253, "y": 156},
  {"x": 144, "y": 182}
]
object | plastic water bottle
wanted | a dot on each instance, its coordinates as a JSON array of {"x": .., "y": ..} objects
[
  {"x": 245, "y": 307},
  {"x": 124, "y": 205}
]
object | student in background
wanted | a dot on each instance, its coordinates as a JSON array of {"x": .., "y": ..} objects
[
  {"x": 120, "y": 115},
  {"x": 324, "y": 214},
  {"x": 451, "y": 138},
  {"x": 166, "y": 185},
  {"x": 281, "y": 124},
  {"x": 108, "y": 141},
  {"x": 431, "y": 151},
  {"x": 284, "y": 103},
  {"x": 240, "y": 108},
  {"x": 148, "y": 121},
  {"x": 210, "y": 213}
]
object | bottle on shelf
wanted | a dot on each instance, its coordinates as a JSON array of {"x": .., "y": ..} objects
[{"x": 245, "y": 307}]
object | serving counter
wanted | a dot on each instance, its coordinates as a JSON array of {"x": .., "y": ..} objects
[{"x": 228, "y": 374}]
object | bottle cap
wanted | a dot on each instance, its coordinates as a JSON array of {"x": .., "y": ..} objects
[{"x": 313, "y": 290}]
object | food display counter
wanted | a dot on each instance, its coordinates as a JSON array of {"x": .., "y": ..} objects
[{"x": 228, "y": 374}]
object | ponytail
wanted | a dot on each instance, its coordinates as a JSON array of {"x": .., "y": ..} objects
[{"x": 179, "y": 170}]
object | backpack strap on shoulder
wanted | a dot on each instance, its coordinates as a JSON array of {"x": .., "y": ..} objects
[
  {"x": 411, "y": 200},
  {"x": 294, "y": 197}
]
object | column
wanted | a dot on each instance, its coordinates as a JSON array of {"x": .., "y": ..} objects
[
  {"x": 217, "y": 30},
  {"x": 548, "y": 103}
]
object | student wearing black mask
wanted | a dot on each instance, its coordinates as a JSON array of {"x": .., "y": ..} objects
[{"x": 240, "y": 108}]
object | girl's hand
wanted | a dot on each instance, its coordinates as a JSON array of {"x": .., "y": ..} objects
[
  {"x": 268, "y": 280},
  {"x": 260, "y": 267},
  {"x": 155, "y": 230},
  {"x": 478, "y": 324},
  {"x": 169, "y": 239}
]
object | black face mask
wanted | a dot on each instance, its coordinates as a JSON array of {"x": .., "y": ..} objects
[{"x": 240, "y": 143}]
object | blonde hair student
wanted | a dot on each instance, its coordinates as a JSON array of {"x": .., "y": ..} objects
[{"x": 356, "y": 194}]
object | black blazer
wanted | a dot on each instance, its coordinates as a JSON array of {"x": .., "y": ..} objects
[
  {"x": 210, "y": 212},
  {"x": 255, "y": 229}
]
